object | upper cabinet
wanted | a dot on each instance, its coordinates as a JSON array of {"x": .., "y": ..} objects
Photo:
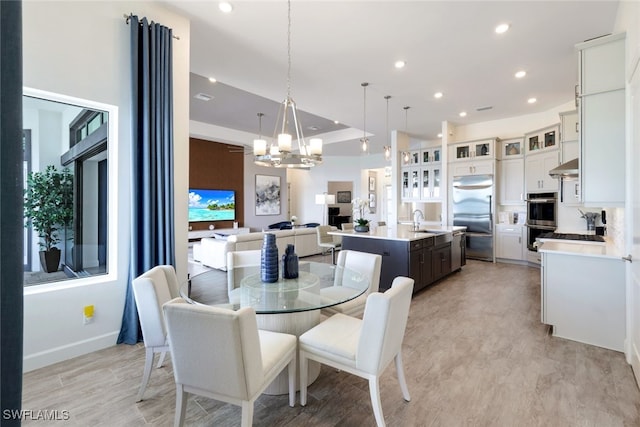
[
  {"x": 511, "y": 148},
  {"x": 570, "y": 193},
  {"x": 420, "y": 175},
  {"x": 543, "y": 139},
  {"x": 465, "y": 151},
  {"x": 542, "y": 156},
  {"x": 601, "y": 106}
]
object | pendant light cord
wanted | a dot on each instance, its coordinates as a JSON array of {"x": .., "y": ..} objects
[{"x": 289, "y": 49}]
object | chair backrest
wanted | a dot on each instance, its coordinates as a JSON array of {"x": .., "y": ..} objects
[
  {"x": 237, "y": 261},
  {"x": 151, "y": 290},
  {"x": 383, "y": 325},
  {"x": 367, "y": 264},
  {"x": 323, "y": 237},
  {"x": 347, "y": 226},
  {"x": 215, "y": 349}
]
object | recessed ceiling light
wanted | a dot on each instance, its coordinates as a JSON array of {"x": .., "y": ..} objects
[
  {"x": 313, "y": 127},
  {"x": 212, "y": 79},
  {"x": 336, "y": 122},
  {"x": 502, "y": 28},
  {"x": 440, "y": 135},
  {"x": 400, "y": 64},
  {"x": 520, "y": 74},
  {"x": 463, "y": 114},
  {"x": 531, "y": 100},
  {"x": 437, "y": 95},
  {"x": 225, "y": 7}
]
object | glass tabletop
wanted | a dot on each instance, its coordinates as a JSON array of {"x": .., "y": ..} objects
[{"x": 318, "y": 285}]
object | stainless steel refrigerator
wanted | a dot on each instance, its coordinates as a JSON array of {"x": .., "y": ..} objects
[{"x": 473, "y": 208}]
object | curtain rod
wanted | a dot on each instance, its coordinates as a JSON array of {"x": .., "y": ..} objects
[{"x": 127, "y": 18}]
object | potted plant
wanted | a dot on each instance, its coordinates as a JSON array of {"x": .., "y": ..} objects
[
  {"x": 48, "y": 204},
  {"x": 362, "y": 224}
]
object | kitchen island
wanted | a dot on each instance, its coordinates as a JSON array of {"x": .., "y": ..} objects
[
  {"x": 583, "y": 292},
  {"x": 425, "y": 255}
]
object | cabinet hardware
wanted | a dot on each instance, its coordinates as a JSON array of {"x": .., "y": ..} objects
[{"x": 628, "y": 258}]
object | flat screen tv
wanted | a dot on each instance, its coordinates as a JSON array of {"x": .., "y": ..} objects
[{"x": 211, "y": 205}]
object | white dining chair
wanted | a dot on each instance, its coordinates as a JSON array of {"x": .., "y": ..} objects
[
  {"x": 150, "y": 290},
  {"x": 326, "y": 241},
  {"x": 346, "y": 226},
  {"x": 362, "y": 347},
  {"x": 239, "y": 265},
  {"x": 366, "y": 264},
  {"x": 220, "y": 354}
]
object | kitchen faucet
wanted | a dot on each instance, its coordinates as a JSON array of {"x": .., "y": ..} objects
[{"x": 417, "y": 214}]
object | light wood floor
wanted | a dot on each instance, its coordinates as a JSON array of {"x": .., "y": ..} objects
[{"x": 475, "y": 354}]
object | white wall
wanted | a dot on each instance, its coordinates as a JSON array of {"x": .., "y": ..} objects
[{"x": 81, "y": 49}]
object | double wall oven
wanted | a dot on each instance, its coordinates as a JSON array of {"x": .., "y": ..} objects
[{"x": 542, "y": 216}]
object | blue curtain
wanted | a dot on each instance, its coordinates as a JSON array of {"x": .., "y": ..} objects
[{"x": 152, "y": 237}]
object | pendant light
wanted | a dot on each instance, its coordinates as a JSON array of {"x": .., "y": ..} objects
[
  {"x": 280, "y": 153},
  {"x": 387, "y": 148},
  {"x": 406, "y": 130},
  {"x": 364, "y": 140},
  {"x": 260, "y": 144}
]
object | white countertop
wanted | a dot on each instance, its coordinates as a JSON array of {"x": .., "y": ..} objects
[
  {"x": 606, "y": 250},
  {"x": 399, "y": 232}
]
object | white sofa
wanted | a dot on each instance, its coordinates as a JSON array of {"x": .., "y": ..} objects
[{"x": 212, "y": 252}]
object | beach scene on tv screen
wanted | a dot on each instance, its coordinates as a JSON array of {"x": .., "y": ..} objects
[{"x": 211, "y": 205}]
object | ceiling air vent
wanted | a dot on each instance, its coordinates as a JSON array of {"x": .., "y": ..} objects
[
  {"x": 488, "y": 107},
  {"x": 203, "y": 97}
]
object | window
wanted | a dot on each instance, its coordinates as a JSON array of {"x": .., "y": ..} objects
[{"x": 67, "y": 174}]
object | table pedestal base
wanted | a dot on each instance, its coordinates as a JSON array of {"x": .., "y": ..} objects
[{"x": 295, "y": 324}]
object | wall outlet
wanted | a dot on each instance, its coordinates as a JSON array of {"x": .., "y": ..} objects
[{"x": 88, "y": 314}]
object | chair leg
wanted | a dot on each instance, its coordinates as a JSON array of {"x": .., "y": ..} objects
[
  {"x": 148, "y": 363},
  {"x": 333, "y": 255},
  {"x": 247, "y": 413},
  {"x": 181, "y": 405},
  {"x": 292, "y": 380},
  {"x": 401, "y": 378},
  {"x": 161, "y": 359},
  {"x": 374, "y": 391},
  {"x": 304, "y": 374}
]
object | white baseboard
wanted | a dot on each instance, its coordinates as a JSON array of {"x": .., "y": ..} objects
[
  {"x": 635, "y": 363},
  {"x": 69, "y": 351}
]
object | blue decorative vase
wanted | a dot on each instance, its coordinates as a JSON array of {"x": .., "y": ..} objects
[
  {"x": 290, "y": 263},
  {"x": 269, "y": 259}
]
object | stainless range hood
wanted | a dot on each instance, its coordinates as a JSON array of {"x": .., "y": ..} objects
[{"x": 568, "y": 169}]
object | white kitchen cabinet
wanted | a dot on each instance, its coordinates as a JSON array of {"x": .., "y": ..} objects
[
  {"x": 570, "y": 194},
  {"x": 430, "y": 155},
  {"x": 512, "y": 182},
  {"x": 430, "y": 183},
  {"x": 472, "y": 167},
  {"x": 410, "y": 179},
  {"x": 583, "y": 298},
  {"x": 511, "y": 148},
  {"x": 510, "y": 242},
  {"x": 537, "y": 167},
  {"x": 472, "y": 150},
  {"x": 601, "y": 100},
  {"x": 568, "y": 128},
  {"x": 545, "y": 139}
]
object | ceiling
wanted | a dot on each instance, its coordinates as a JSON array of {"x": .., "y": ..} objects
[{"x": 448, "y": 46}]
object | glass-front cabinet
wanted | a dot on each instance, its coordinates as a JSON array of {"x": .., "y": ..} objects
[
  {"x": 472, "y": 150},
  {"x": 430, "y": 185},
  {"x": 421, "y": 174},
  {"x": 511, "y": 148},
  {"x": 543, "y": 139}
]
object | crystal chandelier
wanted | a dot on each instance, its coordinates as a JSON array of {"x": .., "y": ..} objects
[{"x": 279, "y": 154}]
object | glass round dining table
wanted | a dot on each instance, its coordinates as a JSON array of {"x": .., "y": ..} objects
[{"x": 292, "y": 306}]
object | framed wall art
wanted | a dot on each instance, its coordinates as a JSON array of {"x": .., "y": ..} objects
[
  {"x": 343, "y": 197},
  {"x": 267, "y": 195},
  {"x": 372, "y": 183}
]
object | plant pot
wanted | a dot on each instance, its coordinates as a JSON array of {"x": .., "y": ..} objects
[
  {"x": 361, "y": 228},
  {"x": 50, "y": 260}
]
